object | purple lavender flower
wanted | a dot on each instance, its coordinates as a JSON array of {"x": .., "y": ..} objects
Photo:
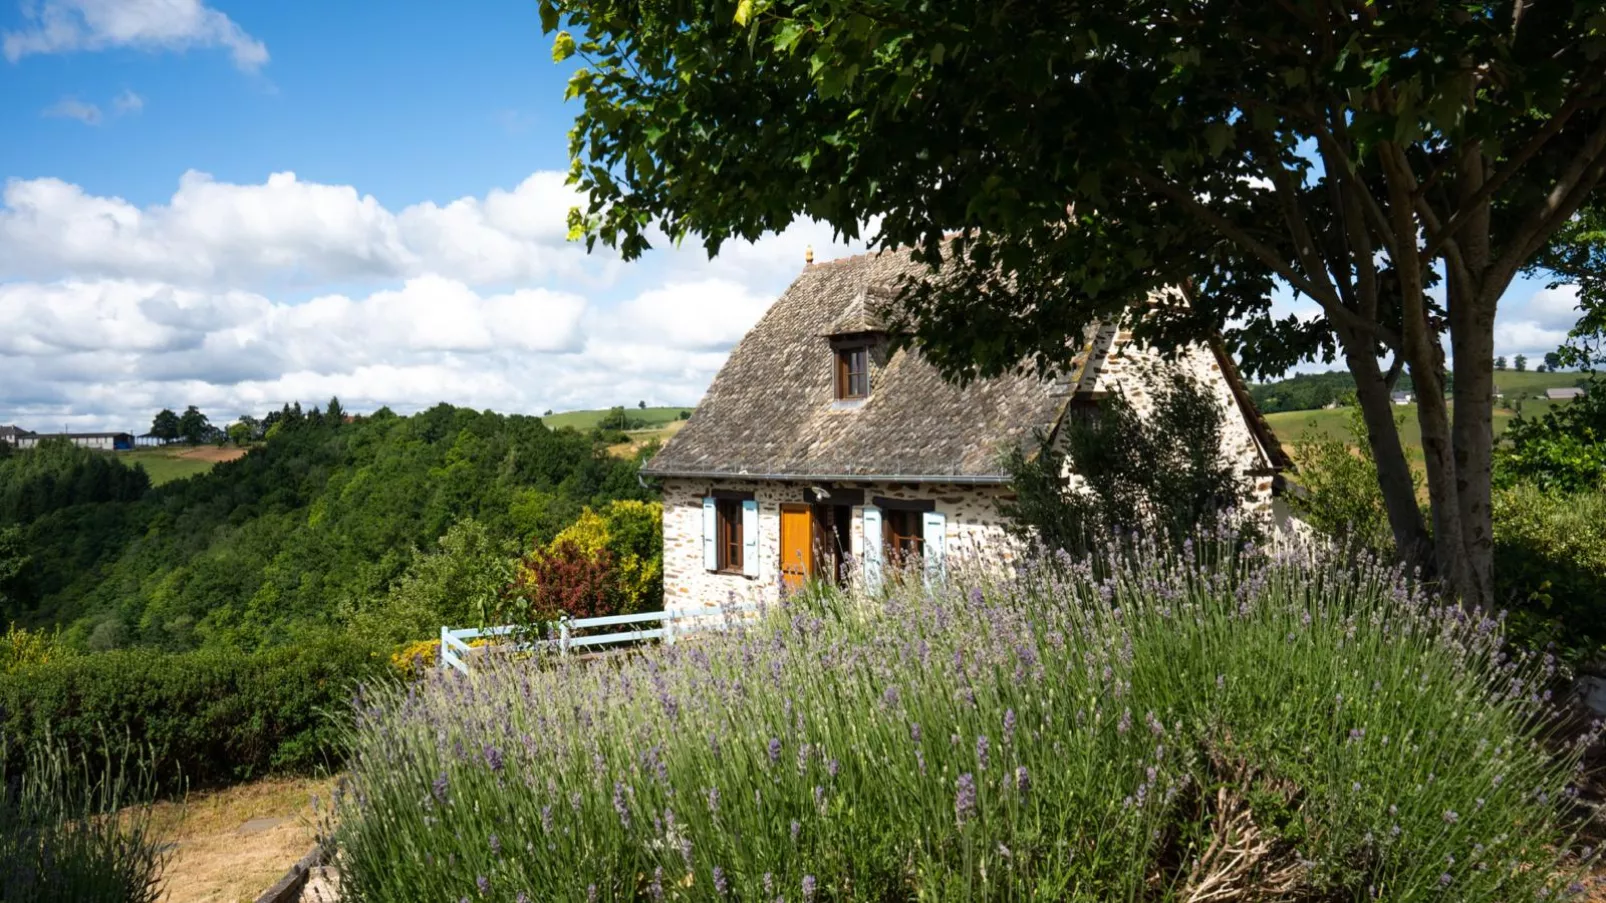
[
  {"x": 975, "y": 595},
  {"x": 914, "y": 731},
  {"x": 808, "y": 889},
  {"x": 1009, "y": 725},
  {"x": 546, "y": 819},
  {"x": 713, "y": 800},
  {"x": 1023, "y": 780},
  {"x": 1125, "y": 724},
  {"x": 832, "y": 767},
  {"x": 775, "y": 750},
  {"x": 619, "y": 804},
  {"x": 439, "y": 788},
  {"x": 721, "y": 883},
  {"x": 493, "y": 758},
  {"x": 796, "y": 828},
  {"x": 496, "y": 845},
  {"x": 591, "y": 893},
  {"x": 484, "y": 884},
  {"x": 965, "y": 797},
  {"x": 981, "y": 752}
]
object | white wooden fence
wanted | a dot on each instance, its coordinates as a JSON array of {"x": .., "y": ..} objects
[{"x": 455, "y": 648}]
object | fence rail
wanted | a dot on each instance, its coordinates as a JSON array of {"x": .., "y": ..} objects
[{"x": 455, "y": 649}]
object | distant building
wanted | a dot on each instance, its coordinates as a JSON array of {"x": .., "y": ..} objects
[
  {"x": 10, "y": 434},
  {"x": 1401, "y": 397},
  {"x": 151, "y": 440},
  {"x": 1567, "y": 394},
  {"x": 99, "y": 441}
]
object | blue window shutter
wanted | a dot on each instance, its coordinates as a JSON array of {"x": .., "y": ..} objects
[
  {"x": 710, "y": 525},
  {"x": 750, "y": 538},
  {"x": 934, "y": 530},
  {"x": 872, "y": 548}
]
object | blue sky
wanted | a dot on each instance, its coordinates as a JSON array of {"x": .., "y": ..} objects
[{"x": 237, "y": 205}]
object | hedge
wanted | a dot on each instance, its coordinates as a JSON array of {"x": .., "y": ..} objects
[{"x": 208, "y": 717}]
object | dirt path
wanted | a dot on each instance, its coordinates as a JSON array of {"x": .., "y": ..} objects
[{"x": 233, "y": 844}]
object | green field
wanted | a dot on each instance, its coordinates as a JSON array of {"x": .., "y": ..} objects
[
  {"x": 168, "y": 464},
  {"x": 1290, "y": 426},
  {"x": 585, "y": 420}
]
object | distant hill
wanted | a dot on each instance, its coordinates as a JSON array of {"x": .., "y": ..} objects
[
  {"x": 1313, "y": 391},
  {"x": 648, "y": 418}
]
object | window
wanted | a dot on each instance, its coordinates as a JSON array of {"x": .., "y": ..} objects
[
  {"x": 852, "y": 373},
  {"x": 905, "y": 538},
  {"x": 728, "y": 535}
]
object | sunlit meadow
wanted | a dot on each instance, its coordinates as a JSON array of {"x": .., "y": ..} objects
[{"x": 1279, "y": 725}]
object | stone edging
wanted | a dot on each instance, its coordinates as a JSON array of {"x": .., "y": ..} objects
[{"x": 288, "y": 889}]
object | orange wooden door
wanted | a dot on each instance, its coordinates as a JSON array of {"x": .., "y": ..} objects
[{"x": 797, "y": 545}]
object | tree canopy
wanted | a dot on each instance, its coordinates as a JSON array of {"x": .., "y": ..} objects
[{"x": 1065, "y": 162}]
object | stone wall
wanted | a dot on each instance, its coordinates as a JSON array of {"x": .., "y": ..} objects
[{"x": 974, "y": 529}]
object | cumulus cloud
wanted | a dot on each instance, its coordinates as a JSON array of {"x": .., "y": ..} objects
[
  {"x": 243, "y": 297},
  {"x": 73, "y": 108},
  {"x": 62, "y": 26},
  {"x": 286, "y": 231}
]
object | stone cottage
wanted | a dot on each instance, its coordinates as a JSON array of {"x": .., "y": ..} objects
[{"x": 817, "y": 444}]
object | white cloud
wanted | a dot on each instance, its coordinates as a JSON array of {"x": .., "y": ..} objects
[
  {"x": 62, "y": 26},
  {"x": 128, "y": 103},
  {"x": 241, "y": 297},
  {"x": 73, "y": 108},
  {"x": 286, "y": 231}
]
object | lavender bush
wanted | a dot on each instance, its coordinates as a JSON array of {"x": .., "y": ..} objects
[{"x": 1266, "y": 726}]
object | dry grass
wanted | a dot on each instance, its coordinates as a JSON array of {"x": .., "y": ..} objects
[{"x": 233, "y": 844}]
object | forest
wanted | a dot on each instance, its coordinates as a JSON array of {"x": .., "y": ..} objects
[{"x": 325, "y": 525}]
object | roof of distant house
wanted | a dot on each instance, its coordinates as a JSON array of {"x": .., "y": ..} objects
[
  {"x": 772, "y": 412},
  {"x": 1564, "y": 394},
  {"x": 12, "y": 432}
]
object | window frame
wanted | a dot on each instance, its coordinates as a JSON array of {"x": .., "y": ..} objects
[
  {"x": 729, "y": 538},
  {"x": 846, "y": 375},
  {"x": 903, "y": 547}
]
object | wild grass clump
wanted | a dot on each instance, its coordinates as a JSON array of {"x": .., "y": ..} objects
[
  {"x": 76, "y": 831},
  {"x": 1193, "y": 726}
]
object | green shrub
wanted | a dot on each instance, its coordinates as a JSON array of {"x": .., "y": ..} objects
[
  {"x": 1337, "y": 491},
  {"x": 207, "y": 717},
  {"x": 1550, "y": 565},
  {"x": 1563, "y": 450},
  {"x": 56, "y": 841},
  {"x": 1111, "y": 470},
  {"x": 1279, "y": 726}
]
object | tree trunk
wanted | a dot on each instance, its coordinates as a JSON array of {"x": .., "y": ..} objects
[{"x": 1393, "y": 471}]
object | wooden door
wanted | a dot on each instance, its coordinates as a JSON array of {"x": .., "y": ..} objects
[{"x": 797, "y": 545}]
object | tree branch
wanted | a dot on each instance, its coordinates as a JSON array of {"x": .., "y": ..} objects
[
  {"x": 1330, "y": 304},
  {"x": 1534, "y": 145},
  {"x": 1563, "y": 201}
]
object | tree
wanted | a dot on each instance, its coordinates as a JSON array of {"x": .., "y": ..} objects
[
  {"x": 334, "y": 413},
  {"x": 1358, "y": 153},
  {"x": 193, "y": 426},
  {"x": 239, "y": 433},
  {"x": 1552, "y": 360},
  {"x": 642, "y": 405},
  {"x": 1500, "y": 362},
  {"x": 1520, "y": 362},
  {"x": 165, "y": 426}
]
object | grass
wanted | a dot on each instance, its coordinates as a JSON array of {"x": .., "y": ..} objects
[
  {"x": 232, "y": 844},
  {"x": 1283, "y": 726},
  {"x": 639, "y": 438},
  {"x": 1333, "y": 423},
  {"x": 585, "y": 420},
  {"x": 177, "y": 462}
]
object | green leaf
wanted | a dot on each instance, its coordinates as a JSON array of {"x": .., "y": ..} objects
[
  {"x": 562, "y": 47},
  {"x": 549, "y": 16},
  {"x": 937, "y": 53},
  {"x": 744, "y": 11}
]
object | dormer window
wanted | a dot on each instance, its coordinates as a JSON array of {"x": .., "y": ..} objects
[{"x": 852, "y": 373}]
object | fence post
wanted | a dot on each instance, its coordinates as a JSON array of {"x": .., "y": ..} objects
[
  {"x": 441, "y": 659},
  {"x": 563, "y": 635}
]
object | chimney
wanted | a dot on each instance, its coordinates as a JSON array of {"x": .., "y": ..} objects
[{"x": 808, "y": 256}]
